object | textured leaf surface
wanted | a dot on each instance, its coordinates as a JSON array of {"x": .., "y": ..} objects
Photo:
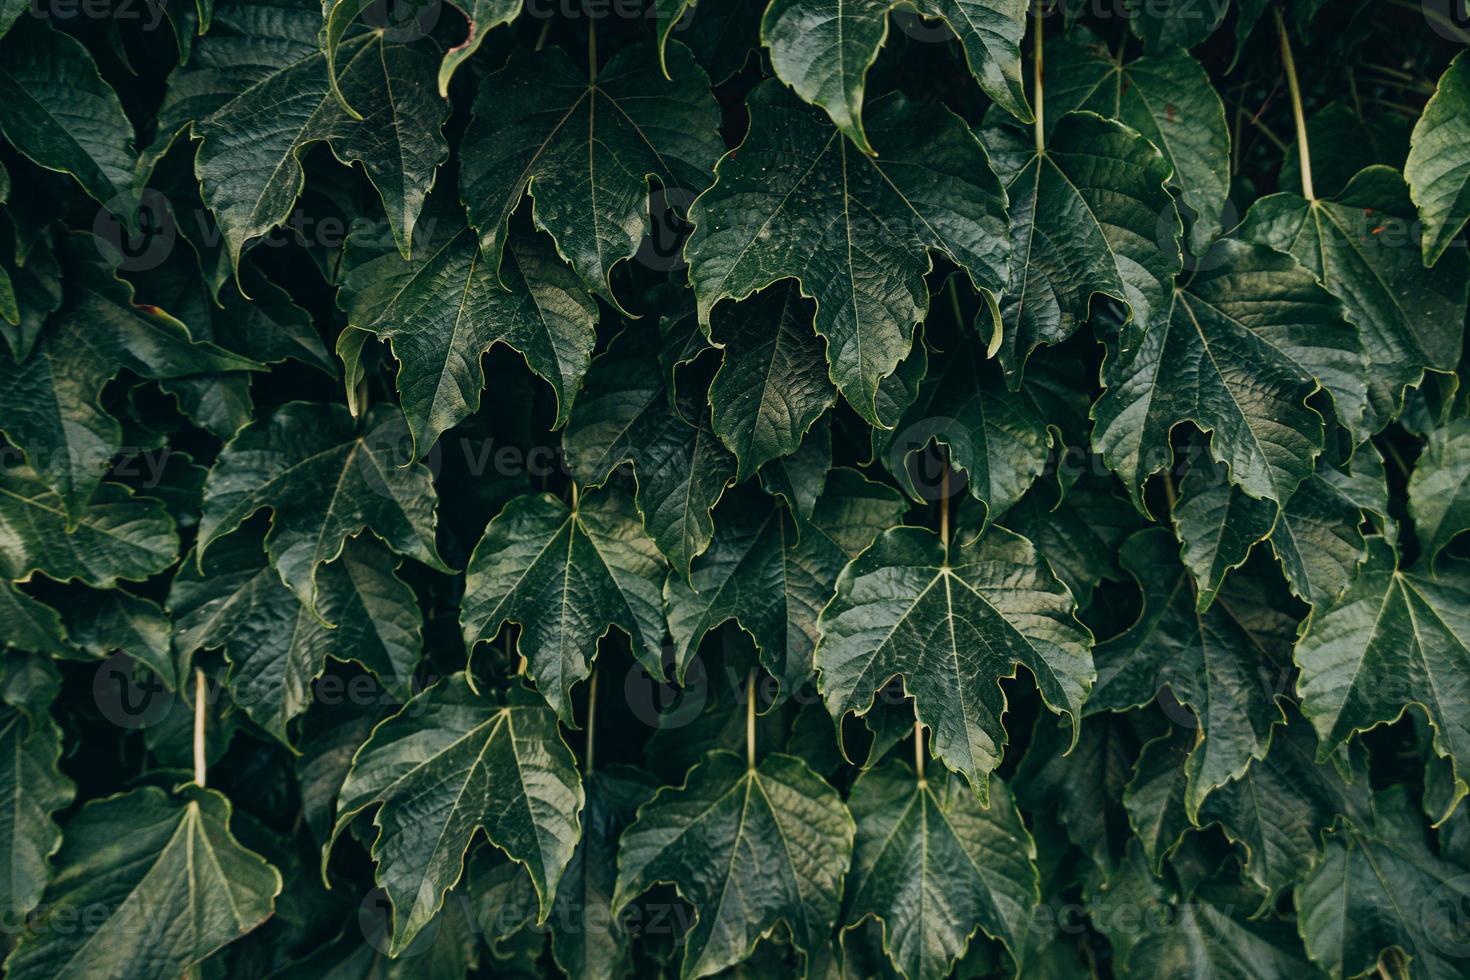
[
  {"x": 933, "y": 865},
  {"x": 1438, "y": 169},
  {"x": 1089, "y": 215},
  {"x": 798, "y": 200},
  {"x": 747, "y": 847},
  {"x": 823, "y": 50},
  {"x": 1247, "y": 339},
  {"x": 324, "y": 480},
  {"x": 592, "y": 565},
  {"x": 952, "y": 623},
  {"x": 1219, "y": 664},
  {"x": 452, "y": 763},
  {"x": 173, "y": 889},
  {"x": 588, "y": 153}
]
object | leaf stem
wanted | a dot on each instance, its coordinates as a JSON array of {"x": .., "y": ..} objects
[
  {"x": 1037, "y": 95},
  {"x": 591, "y": 50},
  {"x": 954, "y": 301},
  {"x": 541, "y": 38},
  {"x": 1169, "y": 493},
  {"x": 1304, "y": 153},
  {"x": 199, "y": 761},
  {"x": 750, "y": 721},
  {"x": 591, "y": 720},
  {"x": 919, "y": 752},
  {"x": 944, "y": 507},
  {"x": 574, "y": 496}
]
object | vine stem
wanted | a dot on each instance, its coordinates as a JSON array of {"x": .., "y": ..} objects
[
  {"x": 1036, "y": 89},
  {"x": 199, "y": 763},
  {"x": 591, "y": 720},
  {"x": 919, "y": 752},
  {"x": 1304, "y": 153},
  {"x": 750, "y": 721}
]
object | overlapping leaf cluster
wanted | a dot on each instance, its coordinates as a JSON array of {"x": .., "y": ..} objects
[{"x": 795, "y": 489}]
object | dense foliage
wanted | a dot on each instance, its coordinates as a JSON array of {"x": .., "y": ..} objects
[{"x": 818, "y": 489}]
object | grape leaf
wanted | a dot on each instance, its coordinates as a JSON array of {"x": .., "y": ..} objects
[
  {"x": 1168, "y": 99},
  {"x": 173, "y": 888},
  {"x": 276, "y": 646},
  {"x": 628, "y": 414},
  {"x": 1245, "y": 341},
  {"x": 996, "y": 438},
  {"x": 285, "y": 461},
  {"x": 1410, "y": 318},
  {"x": 1217, "y": 524},
  {"x": 797, "y": 200},
  {"x": 466, "y": 762},
  {"x": 771, "y": 386},
  {"x": 934, "y": 866},
  {"x": 50, "y": 404},
  {"x": 1395, "y": 638},
  {"x": 444, "y": 308},
  {"x": 566, "y": 575},
  {"x": 773, "y": 581},
  {"x": 1439, "y": 488},
  {"x": 117, "y": 536},
  {"x": 952, "y": 622},
  {"x": 1437, "y": 170},
  {"x": 34, "y": 789},
  {"x": 750, "y": 847},
  {"x": 586, "y": 151},
  {"x": 1089, "y": 215},
  {"x": 57, "y": 111},
  {"x": 249, "y": 163},
  {"x": 1379, "y": 885},
  {"x": 823, "y": 50},
  {"x": 1219, "y": 663}
]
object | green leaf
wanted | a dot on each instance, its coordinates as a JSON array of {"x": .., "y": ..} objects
[
  {"x": 249, "y": 163},
  {"x": 1220, "y": 664},
  {"x": 996, "y": 438},
  {"x": 1245, "y": 341},
  {"x": 1438, "y": 171},
  {"x": 1359, "y": 246},
  {"x": 1344, "y": 141},
  {"x": 1282, "y": 806},
  {"x": 772, "y": 384},
  {"x": 566, "y": 576},
  {"x": 1208, "y": 936},
  {"x": 1169, "y": 100},
  {"x": 1317, "y": 539},
  {"x": 453, "y": 763},
  {"x": 1078, "y": 532},
  {"x": 104, "y": 621},
  {"x": 797, "y": 200},
  {"x": 444, "y": 308},
  {"x": 1166, "y": 24},
  {"x": 33, "y": 790},
  {"x": 1380, "y": 886},
  {"x": 287, "y": 461},
  {"x": 29, "y": 625},
  {"x": 591, "y": 942},
  {"x": 934, "y": 866},
  {"x": 749, "y": 848},
  {"x": 171, "y": 881},
  {"x": 57, "y": 111},
  {"x": 823, "y": 50},
  {"x": 117, "y": 536},
  {"x": 276, "y": 646},
  {"x": 50, "y": 404},
  {"x": 773, "y": 581},
  {"x": 1439, "y": 489},
  {"x": 1089, "y": 215},
  {"x": 1217, "y": 524},
  {"x": 627, "y": 414},
  {"x": 1395, "y": 638},
  {"x": 587, "y": 151},
  {"x": 953, "y": 623}
]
